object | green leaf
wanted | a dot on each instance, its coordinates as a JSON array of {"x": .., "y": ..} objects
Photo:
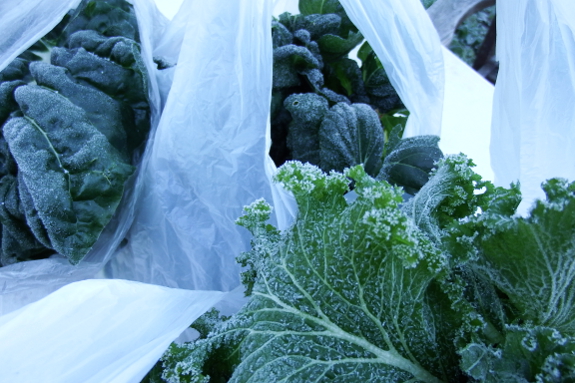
[
  {"x": 116, "y": 68},
  {"x": 109, "y": 18},
  {"x": 341, "y": 296},
  {"x": 350, "y": 135},
  {"x": 529, "y": 354},
  {"x": 377, "y": 85},
  {"x": 322, "y": 7},
  {"x": 307, "y": 111},
  {"x": 291, "y": 61},
  {"x": 334, "y": 47},
  {"x": 392, "y": 119},
  {"x": 105, "y": 113},
  {"x": 364, "y": 51},
  {"x": 74, "y": 177},
  {"x": 18, "y": 242},
  {"x": 532, "y": 260},
  {"x": 410, "y": 162}
]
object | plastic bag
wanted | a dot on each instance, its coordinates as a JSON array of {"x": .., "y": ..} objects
[
  {"x": 533, "y": 131},
  {"x": 209, "y": 157},
  {"x": 407, "y": 44},
  {"x": 214, "y": 112},
  {"x": 96, "y": 331}
]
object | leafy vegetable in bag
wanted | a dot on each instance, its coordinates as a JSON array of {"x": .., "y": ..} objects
[
  {"x": 74, "y": 111},
  {"x": 328, "y": 111},
  {"x": 373, "y": 289}
]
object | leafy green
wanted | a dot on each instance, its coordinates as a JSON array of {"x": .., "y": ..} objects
[
  {"x": 74, "y": 112},
  {"x": 531, "y": 260},
  {"x": 409, "y": 162},
  {"x": 308, "y": 111},
  {"x": 449, "y": 286},
  {"x": 311, "y": 56},
  {"x": 334, "y": 138},
  {"x": 351, "y": 135},
  {"x": 74, "y": 177}
]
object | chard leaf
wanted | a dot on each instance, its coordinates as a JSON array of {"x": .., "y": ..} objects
[
  {"x": 340, "y": 297},
  {"x": 73, "y": 177},
  {"x": 350, "y": 135}
]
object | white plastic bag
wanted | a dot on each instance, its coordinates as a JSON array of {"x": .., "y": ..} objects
[
  {"x": 533, "y": 131},
  {"x": 407, "y": 44},
  {"x": 96, "y": 331},
  {"x": 209, "y": 157}
]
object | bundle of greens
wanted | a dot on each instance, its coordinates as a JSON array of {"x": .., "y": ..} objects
[
  {"x": 329, "y": 111},
  {"x": 73, "y": 110},
  {"x": 447, "y": 287}
]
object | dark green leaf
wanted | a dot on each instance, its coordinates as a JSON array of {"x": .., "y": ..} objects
[
  {"x": 291, "y": 61},
  {"x": 322, "y": 7},
  {"x": 410, "y": 162},
  {"x": 105, "y": 113},
  {"x": 334, "y": 47},
  {"x": 109, "y": 18},
  {"x": 307, "y": 111},
  {"x": 74, "y": 177},
  {"x": 529, "y": 354},
  {"x": 532, "y": 259},
  {"x": 18, "y": 242},
  {"x": 350, "y": 135}
]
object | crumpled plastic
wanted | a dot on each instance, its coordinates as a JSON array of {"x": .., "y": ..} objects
[
  {"x": 96, "y": 331},
  {"x": 533, "y": 130},
  {"x": 407, "y": 44},
  {"x": 208, "y": 159}
]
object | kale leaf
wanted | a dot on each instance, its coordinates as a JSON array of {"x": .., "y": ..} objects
[
  {"x": 447, "y": 287},
  {"x": 74, "y": 113},
  {"x": 310, "y": 57}
]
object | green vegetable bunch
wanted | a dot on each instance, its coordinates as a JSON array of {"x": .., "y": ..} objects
[
  {"x": 450, "y": 286},
  {"x": 328, "y": 111},
  {"x": 73, "y": 110}
]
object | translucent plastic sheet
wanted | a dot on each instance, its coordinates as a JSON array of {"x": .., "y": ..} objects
[
  {"x": 533, "y": 131},
  {"x": 407, "y": 44},
  {"x": 24, "y": 24},
  {"x": 209, "y": 157},
  {"x": 96, "y": 331}
]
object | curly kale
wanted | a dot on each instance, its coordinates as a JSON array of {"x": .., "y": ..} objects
[
  {"x": 375, "y": 289},
  {"x": 74, "y": 111}
]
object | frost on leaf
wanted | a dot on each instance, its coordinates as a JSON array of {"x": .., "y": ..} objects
[
  {"x": 532, "y": 260},
  {"x": 341, "y": 296}
]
